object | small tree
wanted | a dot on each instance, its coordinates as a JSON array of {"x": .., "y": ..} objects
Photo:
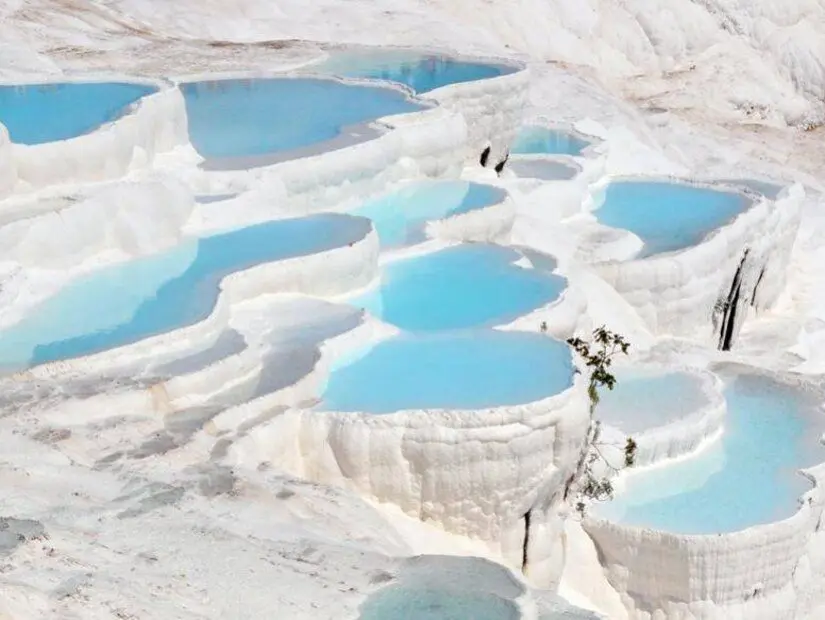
[{"x": 585, "y": 482}]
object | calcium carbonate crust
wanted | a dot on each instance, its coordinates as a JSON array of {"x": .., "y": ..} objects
[
  {"x": 765, "y": 572},
  {"x": 328, "y": 273},
  {"x": 682, "y": 437},
  {"x": 157, "y": 124},
  {"x": 489, "y": 224},
  {"x": 434, "y": 142},
  {"x": 682, "y": 293},
  {"x": 474, "y": 473}
]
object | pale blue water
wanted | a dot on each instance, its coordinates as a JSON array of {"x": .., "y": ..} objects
[
  {"x": 668, "y": 216},
  {"x": 471, "y": 285},
  {"x": 38, "y": 113},
  {"x": 453, "y": 370},
  {"x": 766, "y": 188},
  {"x": 544, "y": 169},
  {"x": 262, "y": 116},
  {"x": 123, "y": 304},
  {"x": 643, "y": 400},
  {"x": 400, "y": 218},
  {"x": 398, "y": 602},
  {"x": 431, "y": 587},
  {"x": 747, "y": 478},
  {"x": 421, "y": 72},
  {"x": 537, "y": 140}
]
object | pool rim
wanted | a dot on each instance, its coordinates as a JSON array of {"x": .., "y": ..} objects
[
  {"x": 815, "y": 473},
  {"x": 594, "y": 199},
  {"x": 516, "y": 66},
  {"x": 544, "y": 122},
  {"x": 161, "y": 86},
  {"x": 355, "y": 347}
]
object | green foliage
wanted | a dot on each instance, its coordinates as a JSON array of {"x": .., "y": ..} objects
[{"x": 598, "y": 355}]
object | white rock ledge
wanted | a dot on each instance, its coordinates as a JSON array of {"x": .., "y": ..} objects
[
  {"x": 493, "y": 109},
  {"x": 765, "y": 572},
  {"x": 157, "y": 124},
  {"x": 474, "y": 473},
  {"x": 489, "y": 224},
  {"x": 680, "y": 437},
  {"x": 433, "y": 142},
  {"x": 327, "y": 273},
  {"x": 683, "y": 293}
]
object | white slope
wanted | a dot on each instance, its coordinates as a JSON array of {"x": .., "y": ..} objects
[{"x": 170, "y": 534}]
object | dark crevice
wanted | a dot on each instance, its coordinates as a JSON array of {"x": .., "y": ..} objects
[
  {"x": 756, "y": 287},
  {"x": 526, "y": 543},
  {"x": 485, "y": 155},
  {"x": 726, "y": 332},
  {"x": 500, "y": 165}
]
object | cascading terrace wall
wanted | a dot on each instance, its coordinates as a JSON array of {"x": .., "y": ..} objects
[{"x": 689, "y": 292}]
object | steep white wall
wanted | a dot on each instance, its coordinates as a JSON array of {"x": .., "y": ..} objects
[
  {"x": 433, "y": 142},
  {"x": 492, "y": 223},
  {"x": 133, "y": 218},
  {"x": 493, "y": 109},
  {"x": 681, "y": 293},
  {"x": 474, "y": 473},
  {"x": 764, "y": 572},
  {"x": 157, "y": 125},
  {"x": 8, "y": 170}
]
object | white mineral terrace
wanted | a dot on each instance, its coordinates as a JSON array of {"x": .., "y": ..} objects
[{"x": 186, "y": 318}]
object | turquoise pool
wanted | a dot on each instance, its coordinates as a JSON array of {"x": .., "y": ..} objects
[
  {"x": 471, "y": 369},
  {"x": 125, "y": 303},
  {"x": 538, "y": 140},
  {"x": 472, "y": 285},
  {"x": 262, "y": 116},
  {"x": 748, "y": 477},
  {"x": 400, "y": 218},
  {"x": 645, "y": 399},
  {"x": 668, "y": 216},
  {"x": 40, "y": 113},
  {"x": 421, "y": 72}
]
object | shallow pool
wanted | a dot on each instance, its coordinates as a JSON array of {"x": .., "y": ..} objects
[
  {"x": 123, "y": 304},
  {"x": 263, "y": 116},
  {"x": 470, "y": 285},
  {"x": 645, "y": 399},
  {"x": 471, "y": 369},
  {"x": 543, "y": 169},
  {"x": 421, "y": 72},
  {"x": 766, "y": 188},
  {"x": 39, "y": 113},
  {"x": 538, "y": 140},
  {"x": 446, "y": 588},
  {"x": 668, "y": 216},
  {"x": 434, "y": 603},
  {"x": 747, "y": 478},
  {"x": 400, "y": 218}
]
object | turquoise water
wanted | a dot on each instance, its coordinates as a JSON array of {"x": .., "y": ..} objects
[
  {"x": 400, "y": 218},
  {"x": 668, "y": 216},
  {"x": 747, "y": 478},
  {"x": 123, "y": 304},
  {"x": 546, "y": 170},
  {"x": 421, "y": 72},
  {"x": 262, "y": 116},
  {"x": 454, "y": 370},
  {"x": 644, "y": 400},
  {"x": 537, "y": 140},
  {"x": 471, "y": 285},
  {"x": 38, "y": 113}
]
